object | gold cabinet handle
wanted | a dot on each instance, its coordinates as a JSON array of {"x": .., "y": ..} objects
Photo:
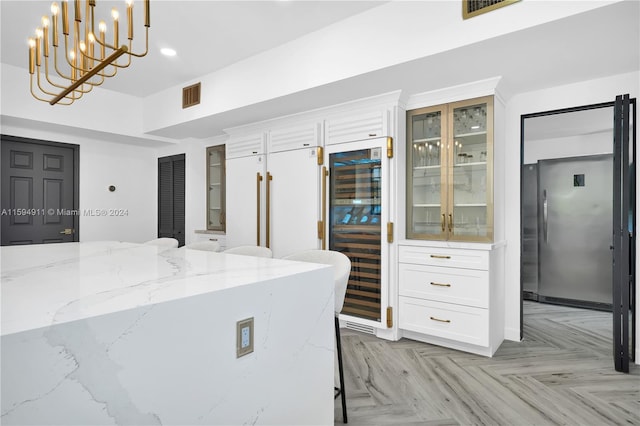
[
  {"x": 442, "y": 222},
  {"x": 439, "y": 320},
  {"x": 440, "y": 284},
  {"x": 258, "y": 180},
  {"x": 438, "y": 256},
  {"x": 450, "y": 222},
  {"x": 268, "y": 215},
  {"x": 67, "y": 231},
  {"x": 325, "y": 174}
]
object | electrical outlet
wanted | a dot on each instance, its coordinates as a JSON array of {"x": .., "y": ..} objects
[{"x": 244, "y": 337}]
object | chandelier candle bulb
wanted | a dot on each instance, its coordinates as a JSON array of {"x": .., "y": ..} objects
[
  {"x": 65, "y": 17},
  {"x": 45, "y": 39},
  {"x": 115, "y": 15},
  {"x": 103, "y": 29},
  {"x": 92, "y": 40},
  {"x": 38, "y": 41},
  {"x": 72, "y": 55},
  {"x": 32, "y": 55},
  {"x": 130, "y": 19},
  {"x": 54, "y": 21},
  {"x": 77, "y": 10}
]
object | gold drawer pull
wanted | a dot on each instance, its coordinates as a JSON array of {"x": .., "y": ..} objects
[
  {"x": 437, "y": 256},
  {"x": 440, "y": 284},
  {"x": 439, "y": 320}
]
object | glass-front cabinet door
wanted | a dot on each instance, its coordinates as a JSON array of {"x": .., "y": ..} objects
[
  {"x": 215, "y": 188},
  {"x": 450, "y": 171},
  {"x": 426, "y": 174}
]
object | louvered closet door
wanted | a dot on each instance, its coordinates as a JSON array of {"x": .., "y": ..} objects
[{"x": 171, "y": 197}]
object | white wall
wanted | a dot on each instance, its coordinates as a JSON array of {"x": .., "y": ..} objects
[
  {"x": 570, "y": 146},
  {"x": 392, "y": 33},
  {"x": 131, "y": 169},
  {"x": 195, "y": 151},
  {"x": 571, "y": 95}
]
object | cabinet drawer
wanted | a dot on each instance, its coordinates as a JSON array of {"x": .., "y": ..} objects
[
  {"x": 445, "y": 320},
  {"x": 452, "y": 285},
  {"x": 219, "y": 238},
  {"x": 436, "y": 256}
]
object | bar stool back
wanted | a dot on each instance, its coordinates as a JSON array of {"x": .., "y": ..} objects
[
  {"x": 163, "y": 242},
  {"x": 341, "y": 269},
  {"x": 204, "y": 246},
  {"x": 256, "y": 251}
]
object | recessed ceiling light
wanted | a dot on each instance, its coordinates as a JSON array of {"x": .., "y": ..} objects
[{"x": 167, "y": 51}]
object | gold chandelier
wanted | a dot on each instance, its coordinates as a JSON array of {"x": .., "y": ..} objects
[{"x": 86, "y": 59}]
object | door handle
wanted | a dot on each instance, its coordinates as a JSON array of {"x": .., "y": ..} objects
[
  {"x": 545, "y": 216},
  {"x": 442, "y": 222},
  {"x": 268, "y": 214},
  {"x": 258, "y": 180},
  {"x": 67, "y": 231},
  {"x": 325, "y": 174}
]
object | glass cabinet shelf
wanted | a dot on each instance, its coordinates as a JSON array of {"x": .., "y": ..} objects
[
  {"x": 216, "y": 188},
  {"x": 449, "y": 176}
]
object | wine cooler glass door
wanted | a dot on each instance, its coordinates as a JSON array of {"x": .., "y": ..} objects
[{"x": 355, "y": 216}]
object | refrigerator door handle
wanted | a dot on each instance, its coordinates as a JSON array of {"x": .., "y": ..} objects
[
  {"x": 544, "y": 214},
  {"x": 268, "y": 213},
  {"x": 258, "y": 180}
]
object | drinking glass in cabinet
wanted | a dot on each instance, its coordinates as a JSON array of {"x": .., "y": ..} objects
[{"x": 471, "y": 119}]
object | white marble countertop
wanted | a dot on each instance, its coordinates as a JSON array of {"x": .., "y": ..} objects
[{"x": 56, "y": 283}]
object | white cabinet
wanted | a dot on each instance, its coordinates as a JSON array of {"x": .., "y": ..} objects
[
  {"x": 245, "y": 174},
  {"x": 452, "y": 296},
  {"x": 293, "y": 196},
  {"x": 358, "y": 126},
  {"x": 206, "y": 235},
  {"x": 273, "y": 193}
]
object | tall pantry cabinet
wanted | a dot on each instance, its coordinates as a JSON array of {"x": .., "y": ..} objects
[
  {"x": 451, "y": 264},
  {"x": 273, "y": 189}
]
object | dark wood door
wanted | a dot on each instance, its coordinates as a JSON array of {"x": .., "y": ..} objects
[
  {"x": 171, "y": 197},
  {"x": 39, "y": 191}
]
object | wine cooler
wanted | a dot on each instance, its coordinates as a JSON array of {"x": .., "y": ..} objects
[{"x": 356, "y": 218}]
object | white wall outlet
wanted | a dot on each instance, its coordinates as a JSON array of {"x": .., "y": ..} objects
[{"x": 244, "y": 337}]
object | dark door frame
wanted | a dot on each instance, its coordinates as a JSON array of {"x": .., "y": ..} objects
[
  {"x": 76, "y": 172},
  {"x": 612, "y": 105}
]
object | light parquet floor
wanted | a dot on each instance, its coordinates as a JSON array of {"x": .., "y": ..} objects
[{"x": 561, "y": 373}]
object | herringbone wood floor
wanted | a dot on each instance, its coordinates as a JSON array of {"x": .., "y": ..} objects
[{"x": 561, "y": 373}]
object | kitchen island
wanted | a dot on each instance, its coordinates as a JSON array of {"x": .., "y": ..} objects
[{"x": 123, "y": 333}]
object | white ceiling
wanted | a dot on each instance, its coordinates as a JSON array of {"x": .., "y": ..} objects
[
  {"x": 207, "y": 35},
  {"x": 594, "y": 44}
]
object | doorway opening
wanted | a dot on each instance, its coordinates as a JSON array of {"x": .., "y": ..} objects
[{"x": 567, "y": 218}]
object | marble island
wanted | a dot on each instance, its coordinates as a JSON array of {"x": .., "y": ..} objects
[{"x": 122, "y": 333}]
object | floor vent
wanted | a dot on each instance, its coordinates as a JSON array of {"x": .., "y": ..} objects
[
  {"x": 471, "y": 8},
  {"x": 359, "y": 327},
  {"x": 191, "y": 95}
]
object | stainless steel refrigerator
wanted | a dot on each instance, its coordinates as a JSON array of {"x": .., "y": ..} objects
[{"x": 575, "y": 213}]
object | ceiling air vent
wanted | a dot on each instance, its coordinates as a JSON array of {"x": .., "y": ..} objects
[
  {"x": 471, "y": 8},
  {"x": 191, "y": 95}
]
